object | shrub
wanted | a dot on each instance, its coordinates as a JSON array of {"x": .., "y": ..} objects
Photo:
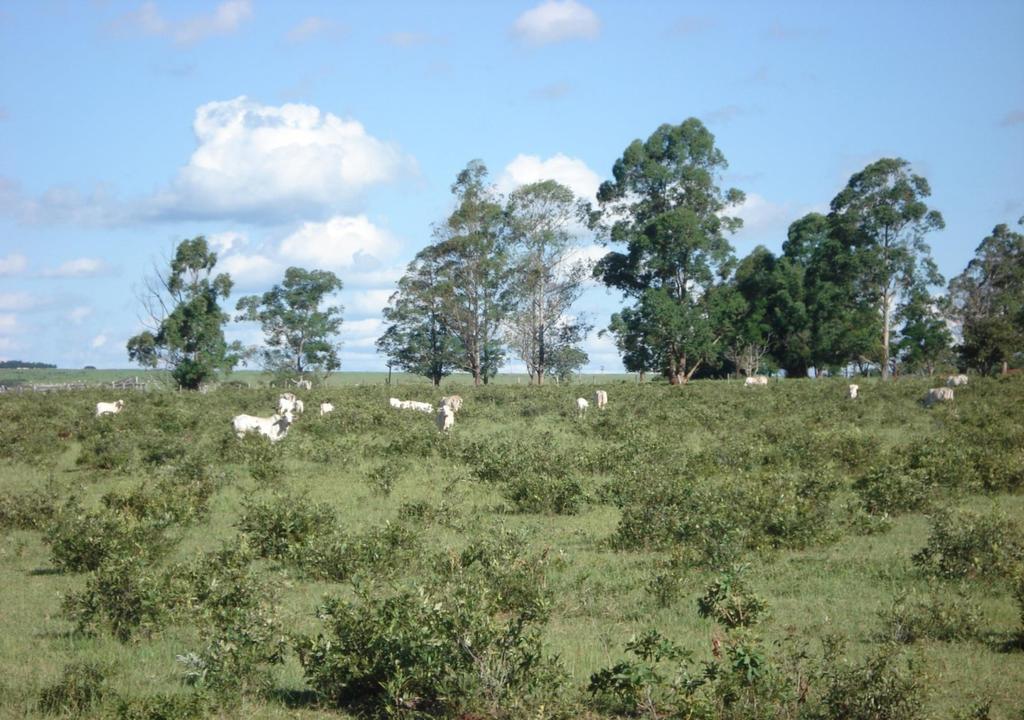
[
  {"x": 123, "y": 596},
  {"x": 382, "y": 477},
  {"x": 882, "y": 687},
  {"x": 31, "y": 510},
  {"x": 728, "y": 601},
  {"x": 276, "y": 525},
  {"x": 338, "y": 556},
  {"x": 931, "y": 618},
  {"x": 443, "y": 650},
  {"x": 162, "y": 707},
  {"x": 892, "y": 488},
  {"x": 648, "y": 685},
  {"x": 181, "y": 496},
  {"x": 964, "y": 544},
  {"x": 107, "y": 447},
  {"x": 81, "y": 540},
  {"x": 545, "y": 494},
  {"x": 81, "y": 685}
]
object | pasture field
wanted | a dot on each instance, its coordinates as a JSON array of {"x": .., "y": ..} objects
[
  {"x": 257, "y": 378},
  {"x": 707, "y": 551}
]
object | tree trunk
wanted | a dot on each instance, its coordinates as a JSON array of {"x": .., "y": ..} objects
[
  {"x": 1006, "y": 368},
  {"x": 886, "y": 301}
]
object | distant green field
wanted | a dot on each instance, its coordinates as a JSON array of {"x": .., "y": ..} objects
[{"x": 256, "y": 378}]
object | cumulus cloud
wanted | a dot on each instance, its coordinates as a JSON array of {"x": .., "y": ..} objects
[
  {"x": 362, "y": 333},
  {"x": 226, "y": 241},
  {"x": 571, "y": 172},
  {"x": 13, "y": 264},
  {"x": 765, "y": 221},
  {"x": 555, "y": 21},
  {"x": 258, "y": 161},
  {"x": 81, "y": 267},
  {"x": 365, "y": 302},
  {"x": 225, "y": 19},
  {"x": 406, "y": 39},
  {"x": 99, "y": 341},
  {"x": 337, "y": 243},
  {"x": 246, "y": 269},
  {"x": 8, "y": 322}
]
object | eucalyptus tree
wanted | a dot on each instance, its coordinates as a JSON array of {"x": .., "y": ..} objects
[
  {"x": 665, "y": 206},
  {"x": 924, "y": 337},
  {"x": 882, "y": 216},
  {"x": 300, "y": 330},
  {"x": 185, "y": 322},
  {"x": 474, "y": 277},
  {"x": 417, "y": 340},
  {"x": 987, "y": 299},
  {"x": 547, "y": 277}
]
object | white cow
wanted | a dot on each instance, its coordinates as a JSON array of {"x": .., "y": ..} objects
[
  {"x": 288, "y": 404},
  {"x": 853, "y": 391},
  {"x": 112, "y": 408},
  {"x": 303, "y": 384},
  {"x": 446, "y": 418},
  {"x": 411, "y": 405},
  {"x": 326, "y": 408},
  {"x": 755, "y": 380},
  {"x": 452, "y": 401},
  {"x": 581, "y": 407},
  {"x": 274, "y": 427},
  {"x": 955, "y": 380},
  {"x": 600, "y": 399},
  {"x": 942, "y": 394}
]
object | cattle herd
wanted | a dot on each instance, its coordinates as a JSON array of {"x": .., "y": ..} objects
[{"x": 289, "y": 407}]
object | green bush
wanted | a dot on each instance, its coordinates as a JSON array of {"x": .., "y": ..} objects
[
  {"x": 274, "y": 526},
  {"x": 80, "y": 540},
  {"x": 965, "y": 544},
  {"x": 728, "y": 601},
  {"x": 338, "y": 556},
  {"x": 893, "y": 488},
  {"x": 123, "y": 596},
  {"x": 106, "y": 447},
  {"x": 885, "y": 686},
  {"x": 443, "y": 650},
  {"x": 931, "y": 618},
  {"x": 80, "y": 687},
  {"x": 31, "y": 510}
]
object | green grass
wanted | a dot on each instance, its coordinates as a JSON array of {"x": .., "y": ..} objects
[{"x": 705, "y": 433}]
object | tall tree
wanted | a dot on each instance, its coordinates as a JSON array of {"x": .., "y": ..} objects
[
  {"x": 186, "y": 323},
  {"x": 471, "y": 252},
  {"x": 924, "y": 338},
  {"x": 882, "y": 215},
  {"x": 665, "y": 205},
  {"x": 417, "y": 339},
  {"x": 627, "y": 327},
  {"x": 300, "y": 333},
  {"x": 987, "y": 298},
  {"x": 548, "y": 278}
]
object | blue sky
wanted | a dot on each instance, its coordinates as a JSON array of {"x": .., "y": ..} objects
[{"x": 328, "y": 134}]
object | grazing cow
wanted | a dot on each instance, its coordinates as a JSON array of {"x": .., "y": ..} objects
[
  {"x": 445, "y": 418},
  {"x": 581, "y": 407},
  {"x": 600, "y": 399},
  {"x": 853, "y": 391},
  {"x": 452, "y": 401},
  {"x": 286, "y": 403},
  {"x": 411, "y": 405},
  {"x": 942, "y": 394},
  {"x": 304, "y": 384},
  {"x": 104, "y": 408},
  {"x": 955, "y": 380},
  {"x": 326, "y": 408},
  {"x": 274, "y": 427},
  {"x": 755, "y": 380}
]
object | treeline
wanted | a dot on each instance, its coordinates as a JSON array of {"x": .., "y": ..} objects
[
  {"x": 22, "y": 364},
  {"x": 853, "y": 287}
]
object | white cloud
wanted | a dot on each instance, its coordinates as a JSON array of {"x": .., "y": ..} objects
[
  {"x": 260, "y": 161},
  {"x": 337, "y": 243},
  {"x": 99, "y": 341},
  {"x": 362, "y": 333},
  {"x": 557, "y": 20},
  {"x": 249, "y": 268},
  {"x": 80, "y": 313},
  {"x": 571, "y": 172},
  {"x": 766, "y": 222},
  {"x": 227, "y": 241},
  {"x": 8, "y": 322},
  {"x": 80, "y": 267},
  {"x": 16, "y": 301},
  {"x": 365, "y": 302},
  {"x": 13, "y": 264},
  {"x": 224, "y": 20}
]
